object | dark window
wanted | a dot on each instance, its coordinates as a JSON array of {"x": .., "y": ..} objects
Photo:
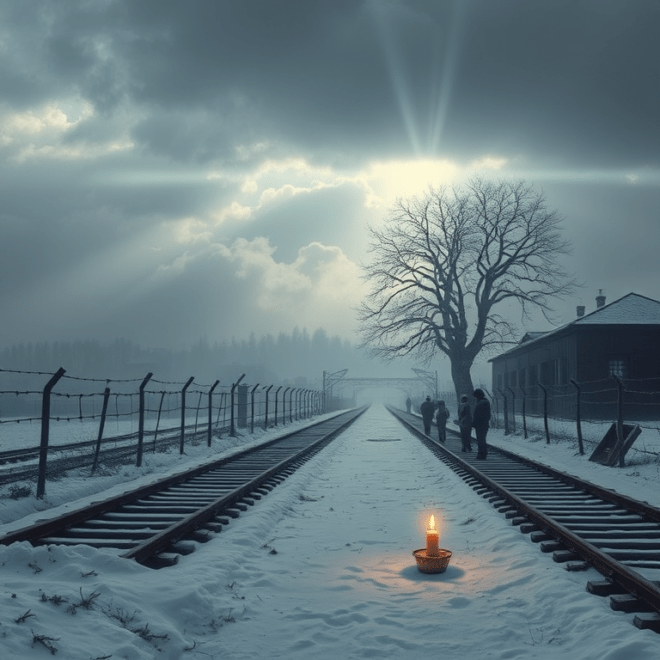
[
  {"x": 513, "y": 378},
  {"x": 521, "y": 379},
  {"x": 617, "y": 366}
]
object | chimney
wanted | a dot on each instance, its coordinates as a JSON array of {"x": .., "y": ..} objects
[
  {"x": 580, "y": 310},
  {"x": 600, "y": 298}
]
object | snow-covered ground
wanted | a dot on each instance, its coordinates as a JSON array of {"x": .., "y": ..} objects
[{"x": 322, "y": 568}]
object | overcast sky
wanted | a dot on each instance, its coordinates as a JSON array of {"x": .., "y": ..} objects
[{"x": 173, "y": 170}]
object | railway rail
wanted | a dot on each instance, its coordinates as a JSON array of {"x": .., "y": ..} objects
[
  {"x": 158, "y": 523},
  {"x": 21, "y": 464},
  {"x": 580, "y": 523}
]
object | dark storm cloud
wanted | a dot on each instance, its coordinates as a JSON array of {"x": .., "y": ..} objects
[
  {"x": 566, "y": 79},
  {"x": 170, "y": 105}
]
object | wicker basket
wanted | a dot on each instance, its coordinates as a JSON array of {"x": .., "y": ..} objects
[{"x": 434, "y": 564}]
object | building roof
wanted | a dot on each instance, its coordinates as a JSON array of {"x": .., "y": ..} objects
[{"x": 631, "y": 309}]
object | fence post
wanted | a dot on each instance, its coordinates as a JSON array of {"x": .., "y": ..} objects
[
  {"x": 545, "y": 414},
  {"x": 513, "y": 409},
  {"x": 104, "y": 410},
  {"x": 143, "y": 384},
  {"x": 232, "y": 427},
  {"x": 252, "y": 408},
  {"x": 160, "y": 409},
  {"x": 505, "y": 408},
  {"x": 578, "y": 415},
  {"x": 208, "y": 432},
  {"x": 276, "y": 391},
  {"x": 266, "y": 411},
  {"x": 291, "y": 405},
  {"x": 183, "y": 413},
  {"x": 524, "y": 411},
  {"x": 284, "y": 406},
  {"x": 45, "y": 431},
  {"x": 619, "y": 419},
  {"x": 199, "y": 405}
]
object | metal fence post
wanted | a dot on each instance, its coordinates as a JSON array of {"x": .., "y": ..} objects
[
  {"x": 208, "y": 432},
  {"x": 232, "y": 427},
  {"x": 268, "y": 389},
  {"x": 276, "y": 391},
  {"x": 160, "y": 409},
  {"x": 147, "y": 378},
  {"x": 524, "y": 411},
  {"x": 252, "y": 408},
  {"x": 619, "y": 419},
  {"x": 505, "y": 408},
  {"x": 183, "y": 413},
  {"x": 578, "y": 415},
  {"x": 104, "y": 410},
  {"x": 513, "y": 409},
  {"x": 284, "y": 406},
  {"x": 45, "y": 430},
  {"x": 545, "y": 414}
]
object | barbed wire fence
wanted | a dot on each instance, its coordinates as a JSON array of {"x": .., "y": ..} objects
[
  {"x": 74, "y": 422},
  {"x": 583, "y": 412}
]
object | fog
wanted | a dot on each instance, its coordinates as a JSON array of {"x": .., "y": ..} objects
[{"x": 175, "y": 173}]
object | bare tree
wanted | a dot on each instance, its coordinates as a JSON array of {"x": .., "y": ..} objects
[{"x": 445, "y": 265}]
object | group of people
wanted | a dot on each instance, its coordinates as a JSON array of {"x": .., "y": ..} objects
[{"x": 468, "y": 419}]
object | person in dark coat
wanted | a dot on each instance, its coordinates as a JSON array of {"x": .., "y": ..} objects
[
  {"x": 441, "y": 418},
  {"x": 427, "y": 409},
  {"x": 408, "y": 404},
  {"x": 480, "y": 420},
  {"x": 465, "y": 424}
]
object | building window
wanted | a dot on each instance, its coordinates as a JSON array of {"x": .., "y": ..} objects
[
  {"x": 521, "y": 379},
  {"x": 617, "y": 366}
]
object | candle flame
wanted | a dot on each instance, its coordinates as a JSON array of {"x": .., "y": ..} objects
[{"x": 432, "y": 523}]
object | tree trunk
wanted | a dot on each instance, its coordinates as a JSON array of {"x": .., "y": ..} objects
[{"x": 460, "y": 375}]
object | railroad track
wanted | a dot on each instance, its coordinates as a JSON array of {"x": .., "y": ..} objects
[
  {"x": 580, "y": 523},
  {"x": 21, "y": 464},
  {"x": 158, "y": 523}
]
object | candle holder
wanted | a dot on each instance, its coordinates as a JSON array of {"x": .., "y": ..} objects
[{"x": 432, "y": 563}]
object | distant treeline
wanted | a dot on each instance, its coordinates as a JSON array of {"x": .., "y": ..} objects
[{"x": 268, "y": 359}]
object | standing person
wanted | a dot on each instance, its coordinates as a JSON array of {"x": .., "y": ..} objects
[
  {"x": 408, "y": 404},
  {"x": 480, "y": 419},
  {"x": 427, "y": 409},
  {"x": 465, "y": 423},
  {"x": 441, "y": 418}
]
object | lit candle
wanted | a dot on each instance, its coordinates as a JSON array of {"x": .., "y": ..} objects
[{"x": 432, "y": 539}]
